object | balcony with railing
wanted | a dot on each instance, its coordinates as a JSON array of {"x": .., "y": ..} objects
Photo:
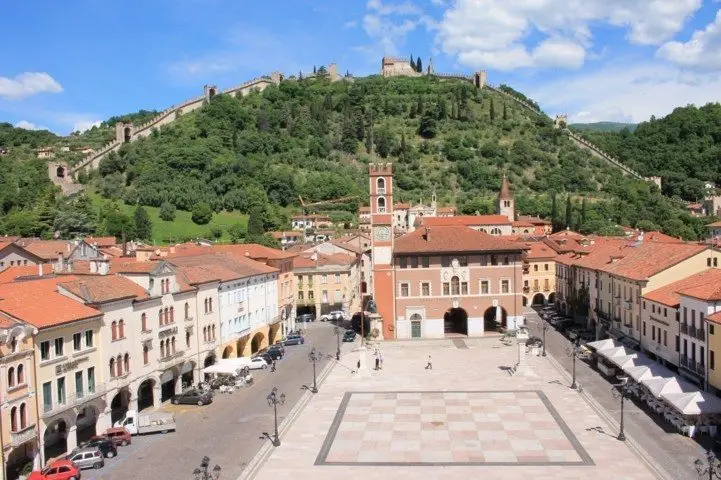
[
  {"x": 683, "y": 361},
  {"x": 684, "y": 328},
  {"x": 701, "y": 334},
  {"x": 73, "y": 400},
  {"x": 692, "y": 330},
  {"x": 526, "y": 289},
  {"x": 171, "y": 359},
  {"x": 19, "y": 437},
  {"x": 700, "y": 369}
]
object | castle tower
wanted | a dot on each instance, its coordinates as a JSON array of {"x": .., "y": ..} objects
[
  {"x": 209, "y": 91},
  {"x": 381, "y": 203},
  {"x": 430, "y": 66},
  {"x": 124, "y": 132},
  {"x": 480, "y": 79},
  {"x": 505, "y": 205},
  {"x": 560, "y": 121}
]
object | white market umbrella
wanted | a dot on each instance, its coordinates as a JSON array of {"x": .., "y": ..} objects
[
  {"x": 663, "y": 386},
  {"x": 695, "y": 403},
  {"x": 642, "y": 372},
  {"x": 603, "y": 344}
]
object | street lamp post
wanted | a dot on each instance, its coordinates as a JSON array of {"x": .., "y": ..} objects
[
  {"x": 544, "y": 326},
  {"x": 202, "y": 472},
  {"x": 338, "y": 333},
  {"x": 313, "y": 357},
  {"x": 275, "y": 399},
  {"x": 712, "y": 467},
  {"x": 621, "y": 390},
  {"x": 573, "y": 351}
]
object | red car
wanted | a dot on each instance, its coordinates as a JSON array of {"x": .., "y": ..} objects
[
  {"x": 58, "y": 470},
  {"x": 120, "y": 435}
]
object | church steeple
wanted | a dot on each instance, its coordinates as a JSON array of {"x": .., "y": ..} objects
[{"x": 505, "y": 204}]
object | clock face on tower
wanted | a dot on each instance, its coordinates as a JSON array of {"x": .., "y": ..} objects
[{"x": 382, "y": 234}]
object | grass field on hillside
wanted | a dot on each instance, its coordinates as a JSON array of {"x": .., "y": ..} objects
[{"x": 182, "y": 228}]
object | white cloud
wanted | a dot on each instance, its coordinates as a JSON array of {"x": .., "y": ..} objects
[
  {"x": 82, "y": 125},
  {"x": 702, "y": 51},
  {"x": 388, "y": 34},
  {"x": 350, "y": 24},
  {"x": 403, "y": 8},
  {"x": 624, "y": 93},
  {"x": 28, "y": 84},
  {"x": 494, "y": 31},
  {"x": 29, "y": 125}
]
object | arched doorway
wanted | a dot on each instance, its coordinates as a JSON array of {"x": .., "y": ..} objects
[
  {"x": 525, "y": 301},
  {"x": 60, "y": 172},
  {"x": 146, "y": 394},
  {"x": 119, "y": 405},
  {"x": 273, "y": 333},
  {"x": 257, "y": 343},
  {"x": 127, "y": 134},
  {"x": 209, "y": 360},
  {"x": 168, "y": 380},
  {"x": 416, "y": 326},
  {"x": 187, "y": 373},
  {"x": 18, "y": 458},
  {"x": 552, "y": 297},
  {"x": 539, "y": 299},
  {"x": 55, "y": 439},
  {"x": 228, "y": 352},
  {"x": 240, "y": 345},
  {"x": 455, "y": 321},
  {"x": 491, "y": 322},
  {"x": 86, "y": 421}
]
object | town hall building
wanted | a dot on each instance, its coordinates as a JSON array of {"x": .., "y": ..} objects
[{"x": 440, "y": 281}]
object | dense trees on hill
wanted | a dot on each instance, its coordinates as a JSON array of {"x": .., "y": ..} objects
[
  {"x": 684, "y": 148},
  {"x": 15, "y": 137},
  {"x": 314, "y": 138}
]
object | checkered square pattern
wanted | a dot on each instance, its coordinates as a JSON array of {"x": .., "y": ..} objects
[{"x": 450, "y": 428}]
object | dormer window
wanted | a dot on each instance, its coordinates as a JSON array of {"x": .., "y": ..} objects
[{"x": 381, "y": 184}]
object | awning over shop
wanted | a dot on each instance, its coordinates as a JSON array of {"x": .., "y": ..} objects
[
  {"x": 641, "y": 372},
  {"x": 660, "y": 387},
  {"x": 631, "y": 361},
  {"x": 603, "y": 344},
  {"x": 227, "y": 366},
  {"x": 696, "y": 403}
]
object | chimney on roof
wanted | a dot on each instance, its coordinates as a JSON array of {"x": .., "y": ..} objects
[
  {"x": 427, "y": 234},
  {"x": 103, "y": 267},
  {"x": 68, "y": 247},
  {"x": 61, "y": 262},
  {"x": 40, "y": 269}
]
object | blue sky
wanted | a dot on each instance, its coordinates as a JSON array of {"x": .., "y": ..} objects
[{"x": 67, "y": 65}]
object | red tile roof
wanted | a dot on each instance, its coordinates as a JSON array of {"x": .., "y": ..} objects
[
  {"x": 715, "y": 317},
  {"x": 709, "y": 291},
  {"x": 286, "y": 234},
  {"x": 670, "y": 294},
  {"x": 40, "y": 304},
  {"x": 451, "y": 239},
  {"x": 317, "y": 259},
  {"x": 104, "y": 288},
  {"x": 46, "y": 249},
  {"x": 222, "y": 267},
  {"x": 101, "y": 241},
  {"x": 131, "y": 265},
  {"x": 446, "y": 209},
  {"x": 364, "y": 209},
  {"x": 466, "y": 220},
  {"x": 521, "y": 223},
  {"x": 539, "y": 251},
  {"x": 30, "y": 271},
  {"x": 533, "y": 220},
  {"x": 401, "y": 206},
  {"x": 714, "y": 224},
  {"x": 645, "y": 260}
]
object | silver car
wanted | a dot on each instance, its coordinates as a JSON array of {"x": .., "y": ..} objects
[{"x": 87, "y": 458}]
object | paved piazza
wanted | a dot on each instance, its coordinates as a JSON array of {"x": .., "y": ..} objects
[
  {"x": 467, "y": 416},
  {"x": 450, "y": 428}
]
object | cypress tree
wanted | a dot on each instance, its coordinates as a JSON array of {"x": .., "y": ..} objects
[
  {"x": 493, "y": 111},
  {"x": 569, "y": 212},
  {"x": 413, "y": 63},
  {"x": 419, "y": 65},
  {"x": 583, "y": 212},
  {"x": 505, "y": 112},
  {"x": 255, "y": 221},
  {"x": 143, "y": 225}
]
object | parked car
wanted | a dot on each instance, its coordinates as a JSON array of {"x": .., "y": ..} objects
[
  {"x": 306, "y": 317},
  {"x": 257, "y": 363},
  {"x": 294, "y": 340},
  {"x": 192, "y": 397},
  {"x": 278, "y": 349},
  {"x": 58, "y": 470},
  {"x": 119, "y": 435},
  {"x": 87, "y": 458},
  {"x": 265, "y": 356},
  {"x": 349, "y": 336},
  {"x": 104, "y": 444},
  {"x": 271, "y": 354},
  {"x": 334, "y": 316}
]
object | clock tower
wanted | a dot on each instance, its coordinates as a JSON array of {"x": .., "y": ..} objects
[{"x": 381, "y": 206}]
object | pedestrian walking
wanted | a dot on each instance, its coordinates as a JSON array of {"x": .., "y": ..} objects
[
  {"x": 429, "y": 365},
  {"x": 272, "y": 366},
  {"x": 380, "y": 357},
  {"x": 378, "y": 363}
]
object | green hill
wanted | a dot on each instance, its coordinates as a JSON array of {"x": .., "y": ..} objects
[
  {"x": 312, "y": 138},
  {"x": 602, "y": 126},
  {"x": 684, "y": 148}
]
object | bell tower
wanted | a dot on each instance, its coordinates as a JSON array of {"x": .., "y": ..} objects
[
  {"x": 381, "y": 206},
  {"x": 505, "y": 205}
]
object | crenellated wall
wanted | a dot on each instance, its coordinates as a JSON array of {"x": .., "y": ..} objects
[{"x": 127, "y": 132}]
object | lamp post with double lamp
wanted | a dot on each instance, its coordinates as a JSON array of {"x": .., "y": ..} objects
[
  {"x": 338, "y": 334},
  {"x": 202, "y": 472},
  {"x": 621, "y": 390},
  {"x": 313, "y": 357},
  {"x": 712, "y": 466},
  {"x": 274, "y": 399},
  {"x": 544, "y": 325},
  {"x": 574, "y": 351}
]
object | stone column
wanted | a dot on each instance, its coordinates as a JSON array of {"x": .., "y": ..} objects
[
  {"x": 156, "y": 396},
  {"x": 72, "y": 439},
  {"x": 104, "y": 421},
  {"x": 133, "y": 403},
  {"x": 178, "y": 384}
]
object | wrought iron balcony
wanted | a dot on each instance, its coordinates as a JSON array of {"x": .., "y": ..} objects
[
  {"x": 700, "y": 334},
  {"x": 683, "y": 361},
  {"x": 526, "y": 289},
  {"x": 692, "y": 330},
  {"x": 73, "y": 400},
  {"x": 684, "y": 328},
  {"x": 700, "y": 369}
]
